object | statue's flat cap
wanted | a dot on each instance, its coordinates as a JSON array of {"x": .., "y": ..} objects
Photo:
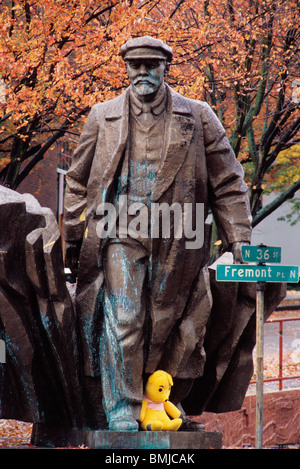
[{"x": 146, "y": 47}]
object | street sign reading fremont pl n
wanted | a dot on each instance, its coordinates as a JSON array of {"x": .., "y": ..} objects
[{"x": 257, "y": 273}]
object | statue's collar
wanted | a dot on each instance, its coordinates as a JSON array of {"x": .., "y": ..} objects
[
  {"x": 119, "y": 106},
  {"x": 156, "y": 106}
]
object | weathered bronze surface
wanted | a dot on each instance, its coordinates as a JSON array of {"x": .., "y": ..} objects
[
  {"x": 42, "y": 378},
  {"x": 142, "y": 302},
  {"x": 39, "y": 381}
]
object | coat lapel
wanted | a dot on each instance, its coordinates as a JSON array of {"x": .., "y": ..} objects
[
  {"x": 116, "y": 132},
  {"x": 179, "y": 132}
]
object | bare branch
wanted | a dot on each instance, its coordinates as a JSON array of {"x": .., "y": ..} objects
[{"x": 271, "y": 207}]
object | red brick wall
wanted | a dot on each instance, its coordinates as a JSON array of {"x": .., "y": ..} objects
[{"x": 281, "y": 421}]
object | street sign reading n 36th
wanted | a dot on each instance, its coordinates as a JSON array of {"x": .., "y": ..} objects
[
  {"x": 257, "y": 273},
  {"x": 261, "y": 254}
]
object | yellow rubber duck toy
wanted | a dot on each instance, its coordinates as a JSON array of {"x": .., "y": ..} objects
[{"x": 156, "y": 407}]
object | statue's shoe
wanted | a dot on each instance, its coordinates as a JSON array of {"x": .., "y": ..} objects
[{"x": 191, "y": 426}]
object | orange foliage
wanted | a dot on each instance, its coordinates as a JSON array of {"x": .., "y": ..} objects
[{"x": 58, "y": 58}]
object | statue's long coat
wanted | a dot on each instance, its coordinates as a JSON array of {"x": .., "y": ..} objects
[{"x": 198, "y": 166}]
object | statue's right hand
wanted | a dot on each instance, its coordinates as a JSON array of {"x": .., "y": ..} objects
[{"x": 72, "y": 252}]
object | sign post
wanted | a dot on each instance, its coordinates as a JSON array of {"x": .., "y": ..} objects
[
  {"x": 260, "y": 289},
  {"x": 259, "y": 273}
]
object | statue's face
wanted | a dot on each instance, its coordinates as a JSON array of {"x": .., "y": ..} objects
[{"x": 146, "y": 76}]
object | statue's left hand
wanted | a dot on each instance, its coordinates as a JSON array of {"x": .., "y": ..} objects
[{"x": 237, "y": 251}]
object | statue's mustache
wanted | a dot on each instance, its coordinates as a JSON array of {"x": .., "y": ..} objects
[{"x": 144, "y": 80}]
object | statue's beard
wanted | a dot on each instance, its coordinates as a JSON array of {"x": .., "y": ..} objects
[{"x": 145, "y": 87}]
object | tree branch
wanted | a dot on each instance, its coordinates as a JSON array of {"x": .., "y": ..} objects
[
  {"x": 289, "y": 134},
  {"x": 272, "y": 206},
  {"x": 6, "y": 116},
  {"x": 176, "y": 8},
  {"x": 39, "y": 155}
]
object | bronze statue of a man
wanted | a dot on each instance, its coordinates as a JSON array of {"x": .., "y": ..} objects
[{"x": 143, "y": 296}]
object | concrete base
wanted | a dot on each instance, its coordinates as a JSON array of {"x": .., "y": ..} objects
[{"x": 45, "y": 435}]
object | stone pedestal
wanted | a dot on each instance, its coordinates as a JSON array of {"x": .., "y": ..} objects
[{"x": 44, "y": 435}]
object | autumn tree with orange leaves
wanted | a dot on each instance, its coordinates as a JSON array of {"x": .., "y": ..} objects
[
  {"x": 244, "y": 56},
  {"x": 58, "y": 58}
]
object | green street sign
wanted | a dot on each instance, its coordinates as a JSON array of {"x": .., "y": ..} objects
[
  {"x": 261, "y": 254},
  {"x": 257, "y": 273}
]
